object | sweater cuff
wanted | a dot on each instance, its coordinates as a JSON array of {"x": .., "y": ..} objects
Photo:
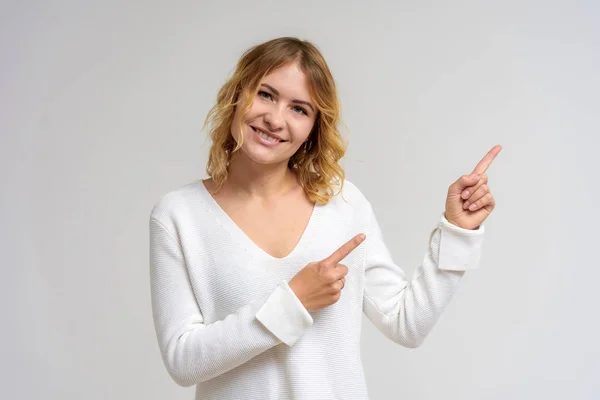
[
  {"x": 460, "y": 249},
  {"x": 284, "y": 315}
]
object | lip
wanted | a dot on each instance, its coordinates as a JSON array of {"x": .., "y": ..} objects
[{"x": 266, "y": 142}]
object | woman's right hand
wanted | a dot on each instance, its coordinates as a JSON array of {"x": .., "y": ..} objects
[{"x": 320, "y": 284}]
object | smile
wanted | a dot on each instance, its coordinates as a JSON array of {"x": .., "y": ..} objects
[{"x": 266, "y": 138}]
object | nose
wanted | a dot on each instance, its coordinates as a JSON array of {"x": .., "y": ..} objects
[{"x": 274, "y": 119}]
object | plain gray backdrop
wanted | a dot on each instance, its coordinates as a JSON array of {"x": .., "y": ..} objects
[{"x": 102, "y": 108}]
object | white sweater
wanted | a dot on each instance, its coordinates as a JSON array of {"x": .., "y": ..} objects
[{"x": 227, "y": 322}]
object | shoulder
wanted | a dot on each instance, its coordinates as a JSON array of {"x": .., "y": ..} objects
[
  {"x": 351, "y": 196},
  {"x": 177, "y": 201}
]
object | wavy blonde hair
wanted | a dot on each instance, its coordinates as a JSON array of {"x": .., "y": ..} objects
[{"x": 317, "y": 161}]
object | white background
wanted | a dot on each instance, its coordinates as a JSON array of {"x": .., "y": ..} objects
[{"x": 102, "y": 105}]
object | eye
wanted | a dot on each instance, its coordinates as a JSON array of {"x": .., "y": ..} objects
[
  {"x": 265, "y": 95},
  {"x": 299, "y": 110}
]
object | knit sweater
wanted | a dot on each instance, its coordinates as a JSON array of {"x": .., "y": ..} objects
[{"x": 227, "y": 321}]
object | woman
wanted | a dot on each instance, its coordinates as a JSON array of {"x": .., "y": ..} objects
[{"x": 250, "y": 298}]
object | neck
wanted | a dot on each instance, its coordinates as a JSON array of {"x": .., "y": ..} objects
[{"x": 258, "y": 180}]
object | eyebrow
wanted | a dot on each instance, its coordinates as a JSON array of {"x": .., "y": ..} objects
[{"x": 293, "y": 101}]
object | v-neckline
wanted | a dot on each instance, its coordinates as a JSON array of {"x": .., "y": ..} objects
[{"x": 227, "y": 223}]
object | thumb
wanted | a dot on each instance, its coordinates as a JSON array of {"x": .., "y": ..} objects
[{"x": 464, "y": 182}]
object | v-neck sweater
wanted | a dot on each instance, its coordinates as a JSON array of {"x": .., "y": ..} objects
[{"x": 227, "y": 321}]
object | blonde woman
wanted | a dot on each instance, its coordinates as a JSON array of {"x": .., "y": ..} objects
[{"x": 260, "y": 273}]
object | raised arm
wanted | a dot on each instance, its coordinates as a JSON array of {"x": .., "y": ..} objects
[{"x": 406, "y": 310}]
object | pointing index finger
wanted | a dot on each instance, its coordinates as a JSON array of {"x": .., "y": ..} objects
[
  {"x": 338, "y": 255},
  {"x": 486, "y": 161}
]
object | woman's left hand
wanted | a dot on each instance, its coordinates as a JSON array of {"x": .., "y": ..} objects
[{"x": 469, "y": 200}]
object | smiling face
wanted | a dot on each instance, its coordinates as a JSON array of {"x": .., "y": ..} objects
[{"x": 280, "y": 119}]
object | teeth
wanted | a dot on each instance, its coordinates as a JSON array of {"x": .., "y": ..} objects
[{"x": 267, "y": 137}]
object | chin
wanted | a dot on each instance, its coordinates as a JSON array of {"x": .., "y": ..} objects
[{"x": 258, "y": 156}]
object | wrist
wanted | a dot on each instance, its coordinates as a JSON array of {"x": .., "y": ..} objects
[
  {"x": 297, "y": 292},
  {"x": 452, "y": 222}
]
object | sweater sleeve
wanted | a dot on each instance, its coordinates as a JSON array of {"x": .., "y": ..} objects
[
  {"x": 193, "y": 351},
  {"x": 406, "y": 310}
]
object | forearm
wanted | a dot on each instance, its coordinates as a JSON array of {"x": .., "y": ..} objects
[
  {"x": 194, "y": 352},
  {"x": 406, "y": 310}
]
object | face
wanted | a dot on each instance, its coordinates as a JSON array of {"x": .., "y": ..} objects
[{"x": 280, "y": 119}]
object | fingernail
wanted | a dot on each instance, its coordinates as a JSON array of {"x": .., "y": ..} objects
[
  {"x": 465, "y": 194},
  {"x": 362, "y": 236},
  {"x": 472, "y": 207}
]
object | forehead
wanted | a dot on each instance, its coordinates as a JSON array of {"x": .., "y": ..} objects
[{"x": 290, "y": 81}]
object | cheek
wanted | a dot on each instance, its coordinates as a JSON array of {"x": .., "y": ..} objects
[
  {"x": 302, "y": 129},
  {"x": 238, "y": 121},
  {"x": 256, "y": 109}
]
